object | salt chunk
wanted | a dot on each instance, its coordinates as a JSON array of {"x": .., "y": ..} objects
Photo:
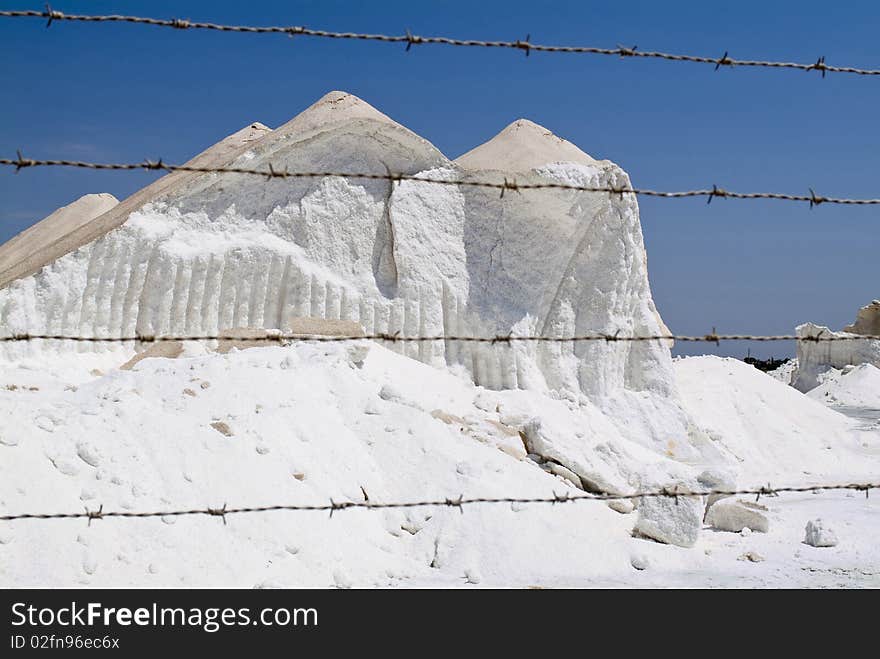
[
  {"x": 816, "y": 534},
  {"x": 674, "y": 521}
]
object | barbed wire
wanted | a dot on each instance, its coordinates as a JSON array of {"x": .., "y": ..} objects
[
  {"x": 506, "y": 185},
  {"x": 459, "y": 502},
  {"x": 288, "y": 337},
  {"x": 522, "y": 45}
]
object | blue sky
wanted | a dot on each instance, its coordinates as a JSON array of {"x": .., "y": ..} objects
[{"x": 125, "y": 93}]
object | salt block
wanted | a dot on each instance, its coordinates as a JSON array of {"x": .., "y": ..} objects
[
  {"x": 671, "y": 520},
  {"x": 734, "y": 516}
]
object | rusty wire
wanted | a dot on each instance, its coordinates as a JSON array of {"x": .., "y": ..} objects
[
  {"x": 20, "y": 162},
  {"x": 522, "y": 45},
  {"x": 458, "y": 502},
  {"x": 290, "y": 337}
]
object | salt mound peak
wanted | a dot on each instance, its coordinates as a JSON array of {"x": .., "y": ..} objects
[
  {"x": 523, "y": 146},
  {"x": 338, "y": 132},
  {"x": 335, "y": 110},
  {"x": 89, "y": 204},
  {"x": 231, "y": 145},
  {"x": 332, "y": 108}
]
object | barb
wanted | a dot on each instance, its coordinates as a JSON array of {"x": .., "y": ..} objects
[
  {"x": 449, "y": 502},
  {"x": 504, "y": 339},
  {"x": 411, "y": 40},
  {"x": 272, "y": 172}
]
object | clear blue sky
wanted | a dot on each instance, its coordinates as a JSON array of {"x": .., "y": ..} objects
[{"x": 125, "y": 93}]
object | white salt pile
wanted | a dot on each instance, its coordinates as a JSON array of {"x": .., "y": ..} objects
[{"x": 199, "y": 424}]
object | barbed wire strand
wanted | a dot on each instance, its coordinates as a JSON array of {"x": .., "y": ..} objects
[
  {"x": 522, "y": 45},
  {"x": 506, "y": 185},
  {"x": 286, "y": 337},
  {"x": 458, "y": 502}
]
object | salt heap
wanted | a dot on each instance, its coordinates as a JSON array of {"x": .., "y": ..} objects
[
  {"x": 816, "y": 358},
  {"x": 199, "y": 253}
]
